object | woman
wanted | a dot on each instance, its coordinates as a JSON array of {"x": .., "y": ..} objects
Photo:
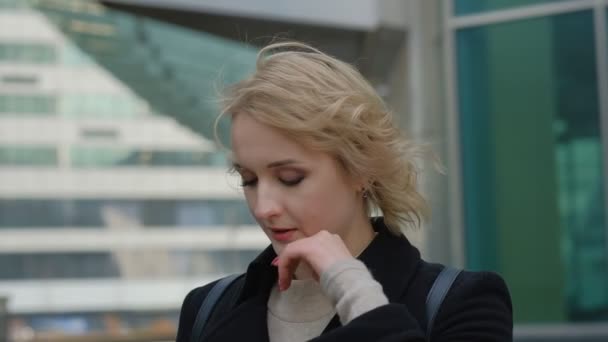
[{"x": 318, "y": 153}]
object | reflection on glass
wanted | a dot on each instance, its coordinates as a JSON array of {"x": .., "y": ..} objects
[
  {"x": 463, "y": 7},
  {"x": 532, "y": 164}
]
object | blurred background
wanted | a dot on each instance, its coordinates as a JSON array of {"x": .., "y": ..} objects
[{"x": 115, "y": 202}]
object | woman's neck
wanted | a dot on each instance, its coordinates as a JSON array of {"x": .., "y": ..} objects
[{"x": 359, "y": 236}]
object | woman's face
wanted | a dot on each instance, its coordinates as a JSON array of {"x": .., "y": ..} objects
[{"x": 292, "y": 191}]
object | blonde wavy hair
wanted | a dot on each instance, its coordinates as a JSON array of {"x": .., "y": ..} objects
[{"x": 327, "y": 105}]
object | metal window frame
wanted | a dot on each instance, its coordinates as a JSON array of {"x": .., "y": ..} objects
[
  {"x": 519, "y": 13},
  {"x": 601, "y": 49},
  {"x": 454, "y": 161},
  {"x": 452, "y": 24}
]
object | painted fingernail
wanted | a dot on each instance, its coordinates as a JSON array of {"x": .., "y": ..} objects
[{"x": 275, "y": 261}]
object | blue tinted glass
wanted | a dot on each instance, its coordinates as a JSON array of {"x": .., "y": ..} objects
[{"x": 532, "y": 163}]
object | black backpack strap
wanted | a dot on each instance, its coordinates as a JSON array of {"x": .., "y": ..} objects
[
  {"x": 206, "y": 308},
  {"x": 438, "y": 291}
]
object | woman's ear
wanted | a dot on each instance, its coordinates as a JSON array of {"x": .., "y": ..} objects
[{"x": 361, "y": 185}]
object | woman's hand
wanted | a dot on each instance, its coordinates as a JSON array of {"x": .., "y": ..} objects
[{"x": 319, "y": 251}]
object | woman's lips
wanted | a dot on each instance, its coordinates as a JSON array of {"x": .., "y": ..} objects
[{"x": 282, "y": 234}]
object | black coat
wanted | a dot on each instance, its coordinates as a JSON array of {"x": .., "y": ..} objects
[{"x": 477, "y": 307}]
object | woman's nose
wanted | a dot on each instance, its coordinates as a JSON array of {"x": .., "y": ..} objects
[{"x": 267, "y": 204}]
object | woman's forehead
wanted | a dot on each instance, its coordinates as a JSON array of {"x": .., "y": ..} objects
[{"x": 248, "y": 133}]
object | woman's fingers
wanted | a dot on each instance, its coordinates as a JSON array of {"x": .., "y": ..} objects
[
  {"x": 288, "y": 262},
  {"x": 318, "y": 251}
]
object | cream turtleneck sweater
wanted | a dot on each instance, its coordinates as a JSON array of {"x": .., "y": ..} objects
[{"x": 303, "y": 311}]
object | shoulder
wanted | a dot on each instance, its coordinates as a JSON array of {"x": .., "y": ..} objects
[
  {"x": 228, "y": 291},
  {"x": 478, "y": 304},
  {"x": 471, "y": 283},
  {"x": 190, "y": 306},
  {"x": 481, "y": 291},
  {"x": 468, "y": 283}
]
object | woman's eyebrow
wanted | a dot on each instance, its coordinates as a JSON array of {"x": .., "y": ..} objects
[
  {"x": 274, "y": 164},
  {"x": 282, "y": 163}
]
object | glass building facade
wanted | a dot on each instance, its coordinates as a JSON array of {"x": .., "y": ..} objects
[
  {"x": 87, "y": 94},
  {"x": 531, "y": 88}
]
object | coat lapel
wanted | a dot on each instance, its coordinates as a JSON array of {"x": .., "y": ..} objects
[
  {"x": 247, "y": 321},
  {"x": 392, "y": 260}
]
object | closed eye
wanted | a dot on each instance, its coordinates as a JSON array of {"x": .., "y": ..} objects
[
  {"x": 287, "y": 182},
  {"x": 292, "y": 182},
  {"x": 249, "y": 182}
]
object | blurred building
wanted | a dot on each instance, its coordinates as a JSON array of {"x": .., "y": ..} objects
[
  {"x": 110, "y": 209},
  {"x": 512, "y": 95}
]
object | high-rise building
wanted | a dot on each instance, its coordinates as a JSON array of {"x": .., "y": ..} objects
[{"x": 110, "y": 209}]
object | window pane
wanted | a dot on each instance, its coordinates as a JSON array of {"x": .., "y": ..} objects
[
  {"x": 27, "y": 156},
  {"x": 149, "y": 213},
  {"x": 89, "y": 157},
  {"x": 463, "y": 7},
  {"x": 11, "y": 4},
  {"x": 57, "y": 266},
  {"x": 71, "y": 55},
  {"x": 129, "y": 264},
  {"x": 28, "y": 53},
  {"x": 100, "y": 106},
  {"x": 30, "y": 104},
  {"x": 532, "y": 164},
  {"x": 18, "y": 79}
]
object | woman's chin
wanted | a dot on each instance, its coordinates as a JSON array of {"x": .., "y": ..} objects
[{"x": 277, "y": 246}]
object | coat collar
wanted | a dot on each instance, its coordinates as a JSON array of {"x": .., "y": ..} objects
[{"x": 391, "y": 259}]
